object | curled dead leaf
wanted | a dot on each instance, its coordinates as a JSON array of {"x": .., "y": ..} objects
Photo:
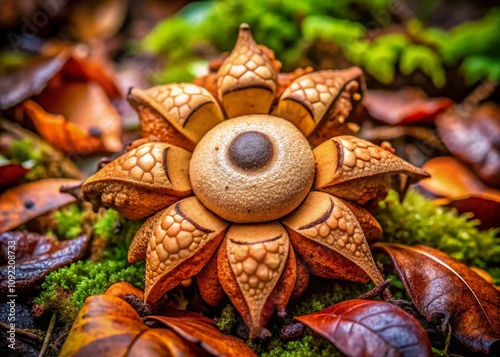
[
  {"x": 35, "y": 257},
  {"x": 405, "y": 106},
  {"x": 456, "y": 186},
  {"x": 108, "y": 326},
  {"x": 474, "y": 139},
  {"x": 22, "y": 203},
  {"x": 446, "y": 290},
  {"x": 370, "y": 328}
]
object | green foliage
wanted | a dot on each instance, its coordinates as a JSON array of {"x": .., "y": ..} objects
[
  {"x": 288, "y": 27},
  {"x": 418, "y": 221},
  {"x": 227, "y": 320},
  {"x": 69, "y": 222},
  {"x": 66, "y": 289},
  {"x": 26, "y": 153}
]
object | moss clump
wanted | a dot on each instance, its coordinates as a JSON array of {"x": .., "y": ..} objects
[
  {"x": 321, "y": 294},
  {"x": 227, "y": 320},
  {"x": 69, "y": 222},
  {"x": 66, "y": 289},
  {"x": 418, "y": 221}
]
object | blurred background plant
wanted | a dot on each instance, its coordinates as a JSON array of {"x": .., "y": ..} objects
[{"x": 386, "y": 37}]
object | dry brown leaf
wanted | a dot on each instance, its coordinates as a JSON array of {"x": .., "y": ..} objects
[
  {"x": 22, "y": 203},
  {"x": 446, "y": 290},
  {"x": 86, "y": 106},
  {"x": 108, "y": 326},
  {"x": 35, "y": 257},
  {"x": 475, "y": 139}
]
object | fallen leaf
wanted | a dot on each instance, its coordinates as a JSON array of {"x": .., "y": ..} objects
[
  {"x": 11, "y": 175},
  {"x": 84, "y": 105},
  {"x": 456, "y": 186},
  {"x": 445, "y": 289},
  {"x": 370, "y": 328},
  {"x": 405, "y": 106},
  {"x": 475, "y": 139},
  {"x": 200, "y": 329},
  {"x": 108, "y": 326},
  {"x": 27, "y": 201},
  {"x": 61, "y": 133},
  {"x": 38, "y": 256},
  {"x": 30, "y": 80}
]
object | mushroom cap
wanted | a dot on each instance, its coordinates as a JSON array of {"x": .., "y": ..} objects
[{"x": 253, "y": 168}]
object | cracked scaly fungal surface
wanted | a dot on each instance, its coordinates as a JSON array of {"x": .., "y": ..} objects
[
  {"x": 180, "y": 113},
  {"x": 143, "y": 180},
  {"x": 257, "y": 256},
  {"x": 245, "y": 72}
]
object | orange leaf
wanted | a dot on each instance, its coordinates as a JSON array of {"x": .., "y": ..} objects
[
  {"x": 196, "y": 328},
  {"x": 87, "y": 106},
  {"x": 458, "y": 187},
  {"x": 108, "y": 326},
  {"x": 22, "y": 203}
]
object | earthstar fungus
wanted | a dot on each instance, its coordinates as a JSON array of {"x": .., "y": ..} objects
[{"x": 230, "y": 201}]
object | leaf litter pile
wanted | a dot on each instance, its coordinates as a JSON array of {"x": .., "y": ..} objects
[{"x": 64, "y": 116}]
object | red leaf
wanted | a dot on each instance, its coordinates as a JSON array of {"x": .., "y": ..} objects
[
  {"x": 406, "y": 106},
  {"x": 10, "y": 175},
  {"x": 370, "y": 328},
  {"x": 442, "y": 287}
]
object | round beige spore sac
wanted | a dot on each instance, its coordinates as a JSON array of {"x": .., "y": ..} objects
[{"x": 254, "y": 168}]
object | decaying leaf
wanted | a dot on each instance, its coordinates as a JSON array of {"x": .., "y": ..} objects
[
  {"x": 446, "y": 290},
  {"x": 84, "y": 105},
  {"x": 35, "y": 257},
  {"x": 10, "y": 175},
  {"x": 22, "y": 203},
  {"x": 33, "y": 78},
  {"x": 456, "y": 186},
  {"x": 108, "y": 326},
  {"x": 406, "y": 106},
  {"x": 370, "y": 328},
  {"x": 474, "y": 139}
]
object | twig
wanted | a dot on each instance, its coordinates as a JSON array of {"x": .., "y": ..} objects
[
  {"x": 48, "y": 334},
  {"x": 480, "y": 93},
  {"x": 22, "y": 333}
]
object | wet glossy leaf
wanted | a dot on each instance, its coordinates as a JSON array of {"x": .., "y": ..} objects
[
  {"x": 475, "y": 139},
  {"x": 445, "y": 289},
  {"x": 108, "y": 326},
  {"x": 406, "y": 106},
  {"x": 10, "y": 175},
  {"x": 22, "y": 203},
  {"x": 370, "y": 328},
  {"x": 35, "y": 257},
  {"x": 456, "y": 186}
]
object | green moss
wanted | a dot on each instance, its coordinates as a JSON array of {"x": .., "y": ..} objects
[
  {"x": 227, "y": 320},
  {"x": 320, "y": 294},
  {"x": 69, "y": 222},
  {"x": 418, "y": 221},
  {"x": 66, "y": 289}
]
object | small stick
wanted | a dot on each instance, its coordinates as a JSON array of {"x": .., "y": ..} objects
[
  {"x": 23, "y": 333},
  {"x": 48, "y": 335}
]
